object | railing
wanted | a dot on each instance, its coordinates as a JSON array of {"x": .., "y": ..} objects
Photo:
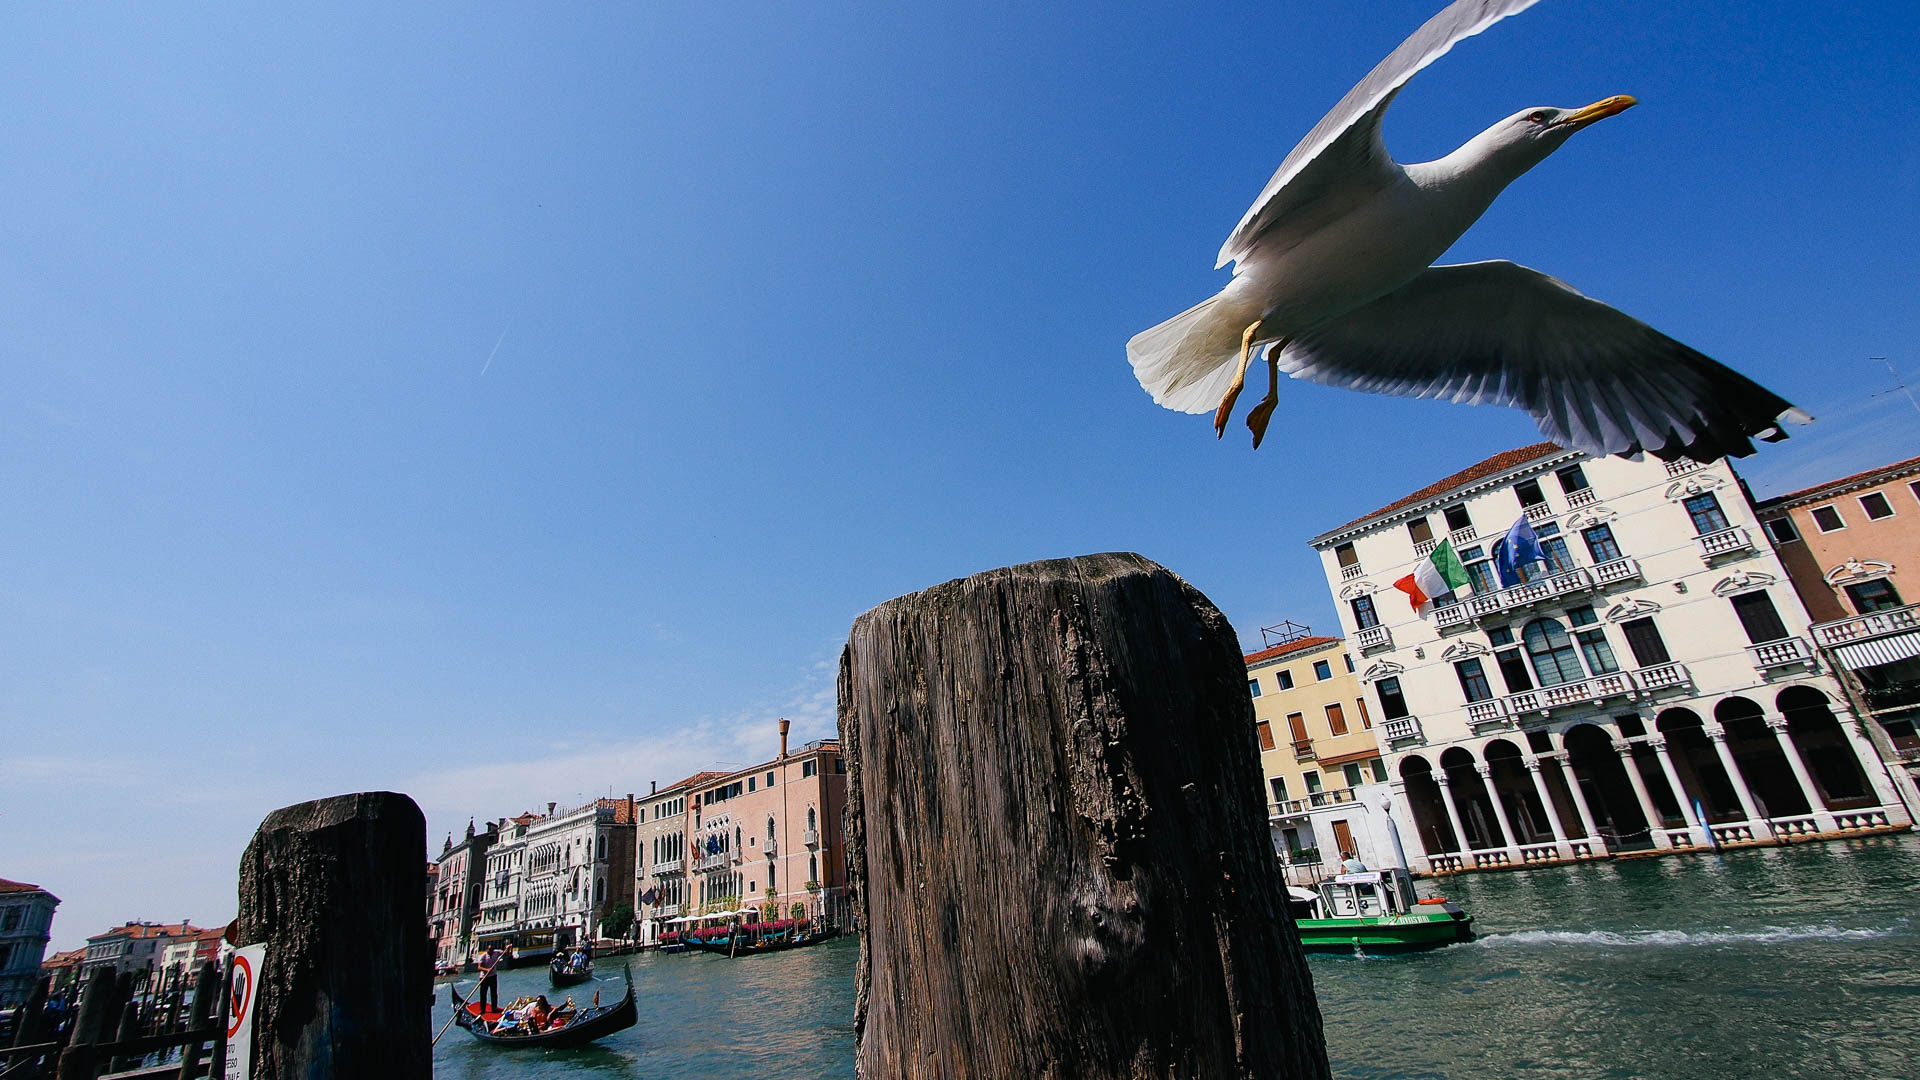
[
  {"x": 1463, "y": 536},
  {"x": 1681, "y": 467},
  {"x": 1532, "y": 592},
  {"x": 1451, "y": 615},
  {"x": 1583, "y": 497},
  {"x": 1724, "y": 542},
  {"x": 1487, "y": 860},
  {"x": 1739, "y": 832},
  {"x": 1350, "y": 573},
  {"x": 666, "y": 911},
  {"x": 811, "y": 838},
  {"x": 1537, "y": 512},
  {"x": 1861, "y": 819},
  {"x": 1400, "y": 727},
  {"x": 1303, "y": 750},
  {"x": 1445, "y": 864},
  {"x": 1614, "y": 571},
  {"x": 711, "y": 862},
  {"x": 1373, "y": 637},
  {"x": 1783, "y": 653},
  {"x": 772, "y": 847},
  {"x": 1314, "y": 799},
  {"x": 1869, "y": 625},
  {"x": 1788, "y": 827},
  {"x": 1490, "y": 711},
  {"x": 1597, "y": 689},
  {"x": 1539, "y": 853},
  {"x": 1661, "y": 676},
  {"x": 1425, "y": 547}
]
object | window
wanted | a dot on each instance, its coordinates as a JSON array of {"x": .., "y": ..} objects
[
  {"x": 1313, "y": 783},
  {"x": 1265, "y": 731},
  {"x": 1876, "y": 506},
  {"x": 1600, "y": 543},
  {"x": 1284, "y": 678},
  {"x": 1253, "y": 687},
  {"x": 1781, "y": 530},
  {"x": 1572, "y": 479},
  {"x": 1344, "y": 555},
  {"x": 1363, "y": 613},
  {"x": 1279, "y": 786},
  {"x": 1552, "y": 653},
  {"x": 1473, "y": 679},
  {"x": 600, "y": 891},
  {"x": 1336, "y": 719},
  {"x": 1554, "y": 547},
  {"x": 1645, "y": 641},
  {"x": 1393, "y": 703},
  {"x": 769, "y": 779},
  {"x": 1379, "y": 768},
  {"x": 1457, "y": 519},
  {"x": 751, "y": 781},
  {"x": 1875, "y": 595},
  {"x": 603, "y": 849},
  {"x": 1593, "y": 641},
  {"x": 1366, "y": 721},
  {"x": 1322, "y": 670},
  {"x": 1348, "y": 657},
  {"x": 1297, "y": 727},
  {"x": 1479, "y": 570},
  {"x": 1352, "y": 771},
  {"x": 1758, "y": 617},
  {"x": 1420, "y": 530},
  {"x": 809, "y": 767},
  {"x": 1705, "y": 511},
  {"x": 1827, "y": 519},
  {"x": 1529, "y": 493}
]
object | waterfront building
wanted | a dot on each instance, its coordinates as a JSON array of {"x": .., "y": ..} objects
[
  {"x": 181, "y": 957},
  {"x": 454, "y": 897},
  {"x": 578, "y": 864},
  {"x": 1324, "y": 775},
  {"x": 660, "y": 866},
  {"x": 63, "y": 972},
  {"x": 499, "y": 919},
  {"x": 1651, "y": 683},
  {"x": 26, "y": 923},
  {"x": 133, "y": 947},
  {"x": 1844, "y": 544}
]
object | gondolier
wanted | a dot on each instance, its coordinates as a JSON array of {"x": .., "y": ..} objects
[{"x": 489, "y": 992}]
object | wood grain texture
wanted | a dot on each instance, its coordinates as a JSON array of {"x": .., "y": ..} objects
[
  {"x": 1058, "y": 848},
  {"x": 336, "y": 888}
]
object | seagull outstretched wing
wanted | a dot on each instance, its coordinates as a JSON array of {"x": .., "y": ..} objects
[
  {"x": 1345, "y": 147},
  {"x": 1594, "y": 378}
]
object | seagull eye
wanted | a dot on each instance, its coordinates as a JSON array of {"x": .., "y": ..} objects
[{"x": 1539, "y": 117}]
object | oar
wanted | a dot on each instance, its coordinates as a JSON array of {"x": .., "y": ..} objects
[{"x": 450, "y": 1019}]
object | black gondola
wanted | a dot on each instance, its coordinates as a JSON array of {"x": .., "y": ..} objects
[
  {"x": 559, "y": 973},
  {"x": 587, "y": 1024},
  {"x": 752, "y": 945}
]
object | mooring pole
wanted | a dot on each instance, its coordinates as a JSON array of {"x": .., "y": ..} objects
[{"x": 1057, "y": 841}]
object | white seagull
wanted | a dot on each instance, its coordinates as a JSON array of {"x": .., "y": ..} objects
[{"x": 1333, "y": 274}]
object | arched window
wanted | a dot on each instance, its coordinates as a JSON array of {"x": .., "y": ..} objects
[
  {"x": 739, "y": 842},
  {"x": 602, "y": 856},
  {"x": 599, "y": 890},
  {"x": 773, "y": 875},
  {"x": 813, "y": 868},
  {"x": 1555, "y": 660},
  {"x": 769, "y": 826},
  {"x": 810, "y": 819}
]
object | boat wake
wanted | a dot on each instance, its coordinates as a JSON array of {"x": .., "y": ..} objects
[{"x": 1678, "y": 938}]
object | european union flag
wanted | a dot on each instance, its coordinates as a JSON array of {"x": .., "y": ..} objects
[{"x": 1515, "y": 550}]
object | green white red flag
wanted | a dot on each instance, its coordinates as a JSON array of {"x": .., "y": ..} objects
[{"x": 1436, "y": 575}]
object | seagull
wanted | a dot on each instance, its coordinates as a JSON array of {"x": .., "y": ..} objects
[{"x": 1333, "y": 275}]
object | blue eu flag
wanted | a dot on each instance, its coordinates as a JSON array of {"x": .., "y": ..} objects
[{"x": 1515, "y": 550}]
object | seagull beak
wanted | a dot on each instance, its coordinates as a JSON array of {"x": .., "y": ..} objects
[{"x": 1599, "y": 110}]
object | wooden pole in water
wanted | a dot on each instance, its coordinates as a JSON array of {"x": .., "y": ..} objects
[
  {"x": 334, "y": 888},
  {"x": 1058, "y": 845}
]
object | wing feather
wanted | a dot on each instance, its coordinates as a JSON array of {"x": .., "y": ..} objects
[
  {"x": 1592, "y": 377},
  {"x": 1345, "y": 146}
]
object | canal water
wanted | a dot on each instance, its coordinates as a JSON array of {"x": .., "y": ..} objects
[{"x": 1794, "y": 962}]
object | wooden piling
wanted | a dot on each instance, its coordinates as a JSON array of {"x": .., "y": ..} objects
[
  {"x": 1058, "y": 845},
  {"x": 333, "y": 887}
]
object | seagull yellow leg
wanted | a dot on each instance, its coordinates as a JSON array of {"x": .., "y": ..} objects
[
  {"x": 1239, "y": 380},
  {"x": 1263, "y": 412}
]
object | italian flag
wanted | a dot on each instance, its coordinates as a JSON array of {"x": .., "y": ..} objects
[{"x": 1436, "y": 575}]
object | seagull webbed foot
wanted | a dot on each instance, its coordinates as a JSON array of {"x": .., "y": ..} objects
[
  {"x": 1263, "y": 412},
  {"x": 1225, "y": 410}
]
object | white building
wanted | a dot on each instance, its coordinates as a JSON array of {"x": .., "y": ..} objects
[
  {"x": 1653, "y": 682},
  {"x": 578, "y": 864},
  {"x": 500, "y": 892}
]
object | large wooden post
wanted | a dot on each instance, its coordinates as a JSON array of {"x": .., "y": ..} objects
[
  {"x": 335, "y": 888},
  {"x": 1058, "y": 844}
]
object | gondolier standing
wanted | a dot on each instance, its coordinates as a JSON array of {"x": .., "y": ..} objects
[{"x": 489, "y": 993}]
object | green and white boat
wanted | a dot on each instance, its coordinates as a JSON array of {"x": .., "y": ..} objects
[{"x": 1375, "y": 911}]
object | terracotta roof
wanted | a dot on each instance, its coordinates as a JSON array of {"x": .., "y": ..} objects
[
  {"x": 147, "y": 930},
  {"x": 699, "y": 778},
  {"x": 1498, "y": 463},
  {"x": 18, "y": 886},
  {"x": 621, "y": 814},
  {"x": 1844, "y": 482},
  {"x": 1286, "y": 648},
  {"x": 64, "y": 959}
]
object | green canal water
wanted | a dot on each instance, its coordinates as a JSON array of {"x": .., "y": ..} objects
[{"x": 1798, "y": 962}]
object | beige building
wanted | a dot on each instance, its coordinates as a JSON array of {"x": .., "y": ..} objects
[
  {"x": 1652, "y": 686},
  {"x": 1317, "y": 753},
  {"x": 1844, "y": 544}
]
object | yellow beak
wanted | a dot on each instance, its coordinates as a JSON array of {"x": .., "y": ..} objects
[{"x": 1600, "y": 110}]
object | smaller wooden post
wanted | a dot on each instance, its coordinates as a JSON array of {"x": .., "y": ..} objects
[
  {"x": 33, "y": 1024},
  {"x": 128, "y": 1031},
  {"x": 205, "y": 986},
  {"x": 90, "y": 1024}
]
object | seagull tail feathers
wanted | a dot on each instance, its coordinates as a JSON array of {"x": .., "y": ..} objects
[{"x": 1188, "y": 362}]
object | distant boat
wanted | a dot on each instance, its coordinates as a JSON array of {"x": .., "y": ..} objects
[
  {"x": 753, "y": 939},
  {"x": 1374, "y": 911},
  {"x": 581, "y": 1027},
  {"x": 561, "y": 973}
]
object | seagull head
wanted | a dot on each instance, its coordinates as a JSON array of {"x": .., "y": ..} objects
[{"x": 1528, "y": 136}]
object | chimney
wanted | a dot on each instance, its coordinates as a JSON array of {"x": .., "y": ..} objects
[
  {"x": 655, "y": 790},
  {"x": 550, "y": 807},
  {"x": 784, "y": 725}
]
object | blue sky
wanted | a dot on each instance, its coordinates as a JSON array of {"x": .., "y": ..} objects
[{"x": 510, "y": 405}]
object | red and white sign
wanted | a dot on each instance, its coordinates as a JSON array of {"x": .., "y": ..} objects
[{"x": 241, "y": 996}]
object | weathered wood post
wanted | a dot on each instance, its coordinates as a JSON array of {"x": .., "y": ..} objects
[
  {"x": 334, "y": 887},
  {"x": 206, "y": 988},
  {"x": 99, "y": 1004},
  {"x": 1057, "y": 843}
]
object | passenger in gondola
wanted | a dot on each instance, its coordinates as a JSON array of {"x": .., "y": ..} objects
[{"x": 539, "y": 1015}]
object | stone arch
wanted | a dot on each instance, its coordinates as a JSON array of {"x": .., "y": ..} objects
[
  {"x": 1825, "y": 749},
  {"x": 1471, "y": 800},
  {"x": 1698, "y": 764},
  {"x": 1513, "y": 786},
  {"x": 1602, "y": 776},
  {"x": 1776, "y": 791},
  {"x": 1423, "y": 796}
]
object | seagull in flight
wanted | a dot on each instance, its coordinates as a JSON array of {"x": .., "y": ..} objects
[{"x": 1333, "y": 274}]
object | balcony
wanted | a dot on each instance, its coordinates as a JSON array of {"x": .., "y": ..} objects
[
  {"x": 1373, "y": 637},
  {"x": 712, "y": 862},
  {"x": 1352, "y": 573},
  {"x": 1399, "y": 728},
  {"x": 1462, "y": 537},
  {"x": 1314, "y": 800},
  {"x": 1725, "y": 542},
  {"x": 1452, "y": 615},
  {"x": 1591, "y": 691},
  {"x": 1303, "y": 750},
  {"x": 1539, "y": 513},
  {"x": 1872, "y": 625},
  {"x": 1424, "y": 548},
  {"x": 1583, "y": 497},
  {"x": 1681, "y": 467},
  {"x": 1661, "y": 676},
  {"x": 1615, "y": 571},
  {"x": 1783, "y": 653},
  {"x": 772, "y": 847},
  {"x": 1532, "y": 592},
  {"x": 1489, "y": 713},
  {"x": 811, "y": 838},
  {"x": 666, "y": 866}
]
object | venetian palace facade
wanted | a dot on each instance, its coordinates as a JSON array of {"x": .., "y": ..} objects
[{"x": 1652, "y": 687}]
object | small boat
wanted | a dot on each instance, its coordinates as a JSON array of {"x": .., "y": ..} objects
[
  {"x": 1375, "y": 911},
  {"x": 560, "y": 973},
  {"x": 753, "y": 940},
  {"x": 582, "y": 1026}
]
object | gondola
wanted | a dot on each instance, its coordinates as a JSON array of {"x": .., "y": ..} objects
[
  {"x": 587, "y": 1024},
  {"x": 754, "y": 946},
  {"x": 559, "y": 973}
]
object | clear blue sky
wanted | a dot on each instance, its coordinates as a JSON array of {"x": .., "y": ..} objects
[{"x": 519, "y": 404}]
